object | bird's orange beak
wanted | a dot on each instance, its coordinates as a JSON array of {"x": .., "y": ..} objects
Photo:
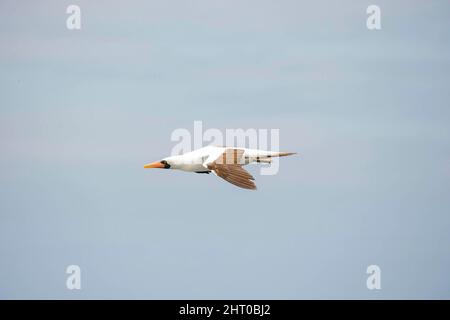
[{"x": 156, "y": 164}]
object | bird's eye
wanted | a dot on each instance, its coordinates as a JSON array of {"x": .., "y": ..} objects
[{"x": 165, "y": 164}]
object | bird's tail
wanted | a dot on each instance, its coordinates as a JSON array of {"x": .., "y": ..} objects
[
  {"x": 284, "y": 154},
  {"x": 267, "y": 158}
]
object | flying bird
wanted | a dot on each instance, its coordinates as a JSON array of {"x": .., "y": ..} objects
[{"x": 224, "y": 162}]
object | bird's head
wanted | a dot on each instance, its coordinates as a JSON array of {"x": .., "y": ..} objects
[{"x": 163, "y": 164}]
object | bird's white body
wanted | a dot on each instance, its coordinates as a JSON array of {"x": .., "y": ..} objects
[
  {"x": 224, "y": 162},
  {"x": 197, "y": 160}
]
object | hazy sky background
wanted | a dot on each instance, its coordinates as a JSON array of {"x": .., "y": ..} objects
[{"x": 82, "y": 111}]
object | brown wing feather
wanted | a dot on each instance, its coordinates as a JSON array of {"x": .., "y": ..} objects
[
  {"x": 236, "y": 175},
  {"x": 231, "y": 156},
  {"x": 228, "y": 167}
]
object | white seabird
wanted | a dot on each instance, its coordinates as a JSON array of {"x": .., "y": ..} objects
[{"x": 224, "y": 162}]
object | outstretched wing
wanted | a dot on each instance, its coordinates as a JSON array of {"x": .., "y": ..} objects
[{"x": 228, "y": 166}]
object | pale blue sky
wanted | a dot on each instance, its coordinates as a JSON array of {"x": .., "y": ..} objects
[{"x": 82, "y": 111}]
